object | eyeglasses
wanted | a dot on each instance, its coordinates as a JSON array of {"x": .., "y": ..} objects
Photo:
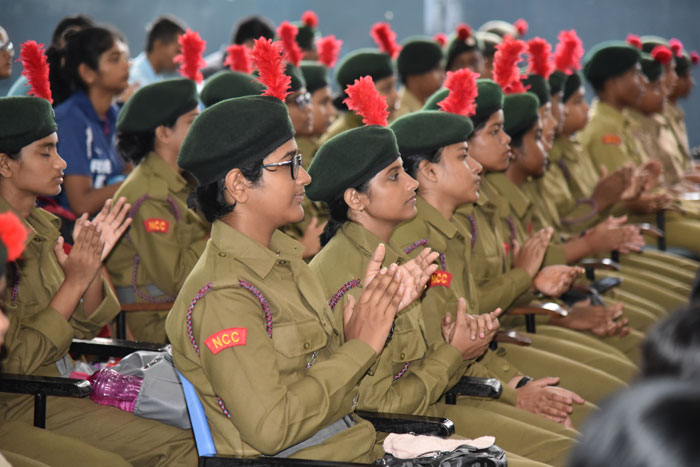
[
  {"x": 294, "y": 163},
  {"x": 8, "y": 47},
  {"x": 301, "y": 100}
]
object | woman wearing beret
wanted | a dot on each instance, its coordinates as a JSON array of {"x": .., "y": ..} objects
[
  {"x": 251, "y": 328},
  {"x": 151, "y": 262},
  {"x": 360, "y": 175},
  {"x": 55, "y": 297}
]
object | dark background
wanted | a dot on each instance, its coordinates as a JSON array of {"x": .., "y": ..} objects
[{"x": 594, "y": 20}]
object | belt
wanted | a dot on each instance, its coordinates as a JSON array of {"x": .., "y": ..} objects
[
  {"x": 127, "y": 294},
  {"x": 321, "y": 436}
]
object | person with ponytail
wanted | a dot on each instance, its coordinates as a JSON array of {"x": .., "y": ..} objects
[
  {"x": 86, "y": 75},
  {"x": 150, "y": 264},
  {"x": 251, "y": 328},
  {"x": 57, "y": 296}
]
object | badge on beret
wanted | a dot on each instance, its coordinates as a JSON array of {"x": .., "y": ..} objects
[
  {"x": 157, "y": 225},
  {"x": 611, "y": 138},
  {"x": 226, "y": 338},
  {"x": 441, "y": 278}
]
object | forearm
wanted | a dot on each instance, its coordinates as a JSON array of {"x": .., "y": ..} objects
[
  {"x": 90, "y": 200},
  {"x": 93, "y": 295},
  {"x": 576, "y": 249}
]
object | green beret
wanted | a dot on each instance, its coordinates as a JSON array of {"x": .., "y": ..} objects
[
  {"x": 435, "y": 98},
  {"x": 426, "y": 131},
  {"x": 651, "y": 68},
  {"x": 683, "y": 64},
  {"x": 500, "y": 28},
  {"x": 363, "y": 62},
  {"x": 350, "y": 159},
  {"x": 556, "y": 81},
  {"x": 608, "y": 60},
  {"x": 649, "y": 42},
  {"x": 23, "y": 120},
  {"x": 520, "y": 112},
  {"x": 488, "y": 42},
  {"x": 157, "y": 104},
  {"x": 458, "y": 46},
  {"x": 234, "y": 133},
  {"x": 488, "y": 100},
  {"x": 539, "y": 87},
  {"x": 227, "y": 84},
  {"x": 315, "y": 75},
  {"x": 572, "y": 84},
  {"x": 306, "y": 37},
  {"x": 418, "y": 55},
  {"x": 298, "y": 81}
]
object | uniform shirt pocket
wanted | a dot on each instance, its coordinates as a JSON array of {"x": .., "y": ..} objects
[{"x": 298, "y": 338}]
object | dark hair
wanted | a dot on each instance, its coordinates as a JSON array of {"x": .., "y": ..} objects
[
  {"x": 649, "y": 424},
  {"x": 134, "y": 145},
  {"x": 252, "y": 27},
  {"x": 338, "y": 210},
  {"x": 411, "y": 161},
  {"x": 516, "y": 139},
  {"x": 210, "y": 198},
  {"x": 479, "y": 122},
  {"x": 70, "y": 22},
  {"x": 672, "y": 347},
  {"x": 165, "y": 28},
  {"x": 83, "y": 46},
  {"x": 597, "y": 83}
]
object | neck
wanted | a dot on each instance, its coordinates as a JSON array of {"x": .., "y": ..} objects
[
  {"x": 154, "y": 62},
  {"x": 417, "y": 94},
  {"x": 438, "y": 201},
  {"x": 516, "y": 175},
  {"x": 21, "y": 201},
  {"x": 101, "y": 101},
  {"x": 168, "y": 156},
  {"x": 249, "y": 224},
  {"x": 380, "y": 228},
  {"x": 612, "y": 100}
]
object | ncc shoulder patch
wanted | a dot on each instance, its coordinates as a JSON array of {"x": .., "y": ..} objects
[
  {"x": 441, "y": 278},
  {"x": 157, "y": 225},
  {"x": 506, "y": 247},
  {"x": 226, "y": 338},
  {"x": 611, "y": 138}
]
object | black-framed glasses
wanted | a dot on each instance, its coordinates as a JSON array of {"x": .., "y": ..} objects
[
  {"x": 294, "y": 163},
  {"x": 301, "y": 100},
  {"x": 8, "y": 47}
]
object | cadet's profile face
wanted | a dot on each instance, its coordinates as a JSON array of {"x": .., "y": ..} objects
[
  {"x": 387, "y": 88},
  {"x": 490, "y": 145},
  {"x": 558, "y": 111},
  {"x": 473, "y": 59},
  {"x": 432, "y": 80},
  {"x": 39, "y": 169},
  {"x": 176, "y": 134},
  {"x": 532, "y": 155},
  {"x": 576, "y": 115},
  {"x": 549, "y": 125},
  {"x": 458, "y": 174},
  {"x": 392, "y": 195},
  {"x": 6, "y": 53},
  {"x": 300, "y": 111},
  {"x": 629, "y": 85},
  {"x": 324, "y": 112},
  {"x": 167, "y": 51},
  {"x": 684, "y": 86},
  {"x": 277, "y": 197},
  {"x": 670, "y": 78},
  {"x": 652, "y": 100},
  {"x": 112, "y": 69}
]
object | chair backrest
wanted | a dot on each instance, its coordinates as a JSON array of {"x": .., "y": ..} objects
[{"x": 198, "y": 419}]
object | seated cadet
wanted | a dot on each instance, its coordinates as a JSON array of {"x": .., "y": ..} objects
[
  {"x": 56, "y": 297},
  {"x": 505, "y": 277},
  {"x": 614, "y": 71},
  {"x": 465, "y": 51},
  {"x": 421, "y": 70},
  {"x": 359, "y": 173},
  {"x": 21, "y": 443},
  {"x": 488, "y": 41},
  {"x": 166, "y": 238},
  {"x": 362, "y": 62},
  {"x": 675, "y": 113},
  {"x": 308, "y": 35},
  {"x": 251, "y": 328}
]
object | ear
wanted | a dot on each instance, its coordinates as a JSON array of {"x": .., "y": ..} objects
[
  {"x": 5, "y": 169},
  {"x": 162, "y": 133},
  {"x": 426, "y": 170},
  {"x": 86, "y": 74},
  {"x": 236, "y": 187},
  {"x": 354, "y": 199}
]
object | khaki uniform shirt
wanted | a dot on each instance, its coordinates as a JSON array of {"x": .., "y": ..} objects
[
  {"x": 408, "y": 103},
  {"x": 675, "y": 116},
  {"x": 252, "y": 330},
  {"x": 346, "y": 121}
]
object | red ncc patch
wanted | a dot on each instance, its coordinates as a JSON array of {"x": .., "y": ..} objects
[
  {"x": 227, "y": 338},
  {"x": 612, "y": 138},
  {"x": 157, "y": 225},
  {"x": 506, "y": 246},
  {"x": 441, "y": 278}
]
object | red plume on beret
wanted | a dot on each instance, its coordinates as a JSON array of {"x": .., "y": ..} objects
[
  {"x": 36, "y": 69},
  {"x": 309, "y": 18},
  {"x": 568, "y": 53},
  {"x": 190, "y": 58},
  {"x": 287, "y": 33},
  {"x": 521, "y": 26},
  {"x": 464, "y": 32},
  {"x": 634, "y": 40},
  {"x": 440, "y": 38},
  {"x": 328, "y": 49},
  {"x": 13, "y": 234},
  {"x": 540, "y": 52},
  {"x": 238, "y": 58},
  {"x": 662, "y": 54},
  {"x": 505, "y": 65},
  {"x": 694, "y": 57},
  {"x": 385, "y": 39},
  {"x": 364, "y": 99},
  {"x": 269, "y": 57},
  {"x": 463, "y": 91},
  {"x": 676, "y": 46}
]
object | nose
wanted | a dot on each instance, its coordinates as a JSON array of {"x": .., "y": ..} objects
[
  {"x": 303, "y": 178},
  {"x": 477, "y": 168}
]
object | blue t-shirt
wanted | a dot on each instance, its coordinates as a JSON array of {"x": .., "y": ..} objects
[{"x": 86, "y": 143}]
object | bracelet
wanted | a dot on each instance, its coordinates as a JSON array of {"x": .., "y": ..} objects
[{"x": 523, "y": 381}]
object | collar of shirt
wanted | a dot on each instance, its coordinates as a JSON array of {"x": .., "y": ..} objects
[
  {"x": 433, "y": 217},
  {"x": 141, "y": 68},
  {"x": 409, "y": 101},
  {"x": 368, "y": 242},
  {"x": 155, "y": 164},
  {"x": 509, "y": 191},
  {"x": 259, "y": 259},
  {"x": 613, "y": 118},
  {"x": 40, "y": 223}
]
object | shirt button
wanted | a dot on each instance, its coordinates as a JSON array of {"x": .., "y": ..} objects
[
  {"x": 399, "y": 261},
  {"x": 222, "y": 254},
  {"x": 460, "y": 237},
  {"x": 307, "y": 344},
  {"x": 501, "y": 351},
  {"x": 282, "y": 262},
  {"x": 370, "y": 372},
  {"x": 506, "y": 367},
  {"x": 37, "y": 239},
  {"x": 402, "y": 356}
]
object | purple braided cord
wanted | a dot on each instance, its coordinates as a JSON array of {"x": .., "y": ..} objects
[
  {"x": 402, "y": 372},
  {"x": 565, "y": 170},
  {"x": 15, "y": 286},
  {"x": 342, "y": 291},
  {"x": 415, "y": 245},
  {"x": 443, "y": 262},
  {"x": 585, "y": 217},
  {"x": 472, "y": 223},
  {"x": 146, "y": 297},
  {"x": 511, "y": 227},
  {"x": 263, "y": 303}
]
